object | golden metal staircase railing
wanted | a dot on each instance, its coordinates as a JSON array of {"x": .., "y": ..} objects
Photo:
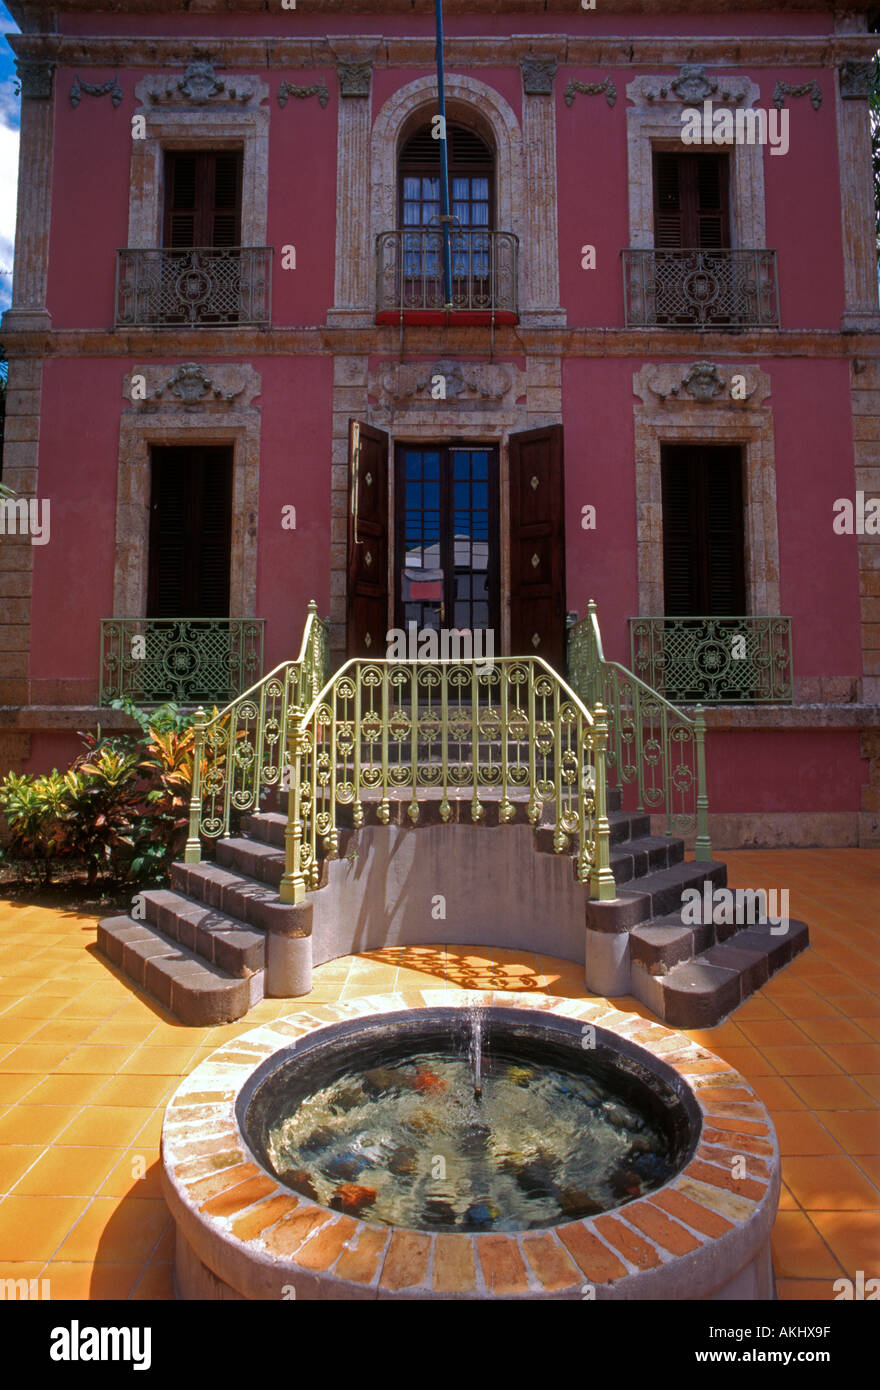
[
  {"x": 239, "y": 753},
  {"x": 654, "y": 747},
  {"x": 384, "y": 729}
]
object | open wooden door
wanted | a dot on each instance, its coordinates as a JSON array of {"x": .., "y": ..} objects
[
  {"x": 367, "y": 613},
  {"x": 537, "y": 545}
]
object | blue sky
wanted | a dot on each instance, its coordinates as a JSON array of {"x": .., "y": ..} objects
[{"x": 9, "y": 123}]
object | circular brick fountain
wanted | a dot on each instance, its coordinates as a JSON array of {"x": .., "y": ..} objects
[{"x": 243, "y": 1234}]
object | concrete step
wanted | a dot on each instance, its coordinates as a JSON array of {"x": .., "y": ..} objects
[{"x": 195, "y": 991}]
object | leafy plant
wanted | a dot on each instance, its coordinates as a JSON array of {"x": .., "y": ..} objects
[
  {"x": 102, "y": 799},
  {"x": 35, "y": 809},
  {"x": 121, "y": 806}
]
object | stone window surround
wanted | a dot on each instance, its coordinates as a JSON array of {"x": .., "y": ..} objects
[
  {"x": 656, "y": 125},
  {"x": 137, "y": 434},
  {"x": 689, "y": 422},
  {"x": 225, "y": 126},
  {"x": 536, "y": 400},
  {"x": 474, "y": 104}
]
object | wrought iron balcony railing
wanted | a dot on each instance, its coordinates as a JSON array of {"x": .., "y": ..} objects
[
  {"x": 409, "y": 272},
  {"x": 730, "y": 661},
  {"x": 200, "y": 287},
  {"x": 191, "y": 661},
  {"x": 700, "y": 289}
]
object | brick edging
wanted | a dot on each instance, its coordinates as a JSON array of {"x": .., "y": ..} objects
[{"x": 688, "y": 1239}]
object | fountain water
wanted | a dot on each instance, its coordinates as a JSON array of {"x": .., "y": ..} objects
[{"x": 477, "y": 1056}]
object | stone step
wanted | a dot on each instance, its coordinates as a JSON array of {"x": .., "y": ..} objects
[
  {"x": 231, "y": 945},
  {"x": 195, "y": 991},
  {"x": 663, "y": 887},
  {"x": 628, "y": 825},
  {"x": 266, "y": 826},
  {"x": 252, "y": 859},
  {"x": 701, "y": 992},
  {"x": 663, "y": 942},
  {"x": 218, "y": 887},
  {"x": 634, "y": 859}
]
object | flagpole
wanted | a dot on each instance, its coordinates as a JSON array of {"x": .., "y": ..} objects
[{"x": 445, "y": 219}]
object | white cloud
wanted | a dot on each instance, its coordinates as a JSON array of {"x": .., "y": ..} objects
[{"x": 8, "y": 185}]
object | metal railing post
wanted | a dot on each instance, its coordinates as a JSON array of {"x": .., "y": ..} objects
[
  {"x": 192, "y": 853},
  {"x": 602, "y": 884},
  {"x": 293, "y": 885},
  {"x": 702, "y": 844}
]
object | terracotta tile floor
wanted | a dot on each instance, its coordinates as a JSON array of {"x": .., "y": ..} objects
[{"x": 87, "y": 1064}]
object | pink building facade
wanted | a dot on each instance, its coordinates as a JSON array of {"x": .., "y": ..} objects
[{"x": 659, "y": 376}]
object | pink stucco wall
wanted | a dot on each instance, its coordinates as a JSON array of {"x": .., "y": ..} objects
[{"x": 73, "y": 575}]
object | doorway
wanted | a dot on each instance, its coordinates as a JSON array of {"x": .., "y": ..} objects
[{"x": 447, "y": 538}]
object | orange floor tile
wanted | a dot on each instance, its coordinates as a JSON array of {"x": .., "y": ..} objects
[{"x": 87, "y": 1064}]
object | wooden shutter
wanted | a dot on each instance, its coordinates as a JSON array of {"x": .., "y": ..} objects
[
  {"x": 203, "y": 198},
  {"x": 703, "y": 543},
  {"x": 367, "y": 613},
  {"x": 691, "y": 200},
  {"x": 537, "y": 545},
  {"x": 190, "y": 533}
]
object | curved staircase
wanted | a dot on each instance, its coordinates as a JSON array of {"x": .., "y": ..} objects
[{"x": 200, "y": 947}]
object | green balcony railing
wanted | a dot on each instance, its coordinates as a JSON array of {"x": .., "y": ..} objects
[
  {"x": 656, "y": 753},
  {"x": 192, "y": 661},
  {"x": 707, "y": 660}
]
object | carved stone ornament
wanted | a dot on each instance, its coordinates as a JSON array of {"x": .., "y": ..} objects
[
  {"x": 797, "y": 89},
  {"x": 191, "y": 386},
  {"x": 317, "y": 89},
  {"x": 856, "y": 80},
  {"x": 35, "y": 78},
  {"x": 692, "y": 86},
  {"x": 354, "y": 79},
  {"x": 704, "y": 383},
  {"x": 591, "y": 89},
  {"x": 538, "y": 75},
  {"x": 199, "y": 86},
  {"x": 475, "y": 386},
  {"x": 110, "y": 88}
]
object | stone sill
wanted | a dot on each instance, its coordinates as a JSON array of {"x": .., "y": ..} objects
[
  {"x": 851, "y": 716},
  {"x": 46, "y": 718},
  {"x": 353, "y": 338}
]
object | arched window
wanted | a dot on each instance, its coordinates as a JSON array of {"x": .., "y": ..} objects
[
  {"x": 471, "y": 203},
  {"x": 410, "y": 272},
  {"x": 471, "y": 180}
]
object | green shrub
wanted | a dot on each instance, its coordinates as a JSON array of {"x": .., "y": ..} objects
[
  {"x": 35, "y": 810},
  {"x": 122, "y": 806}
]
